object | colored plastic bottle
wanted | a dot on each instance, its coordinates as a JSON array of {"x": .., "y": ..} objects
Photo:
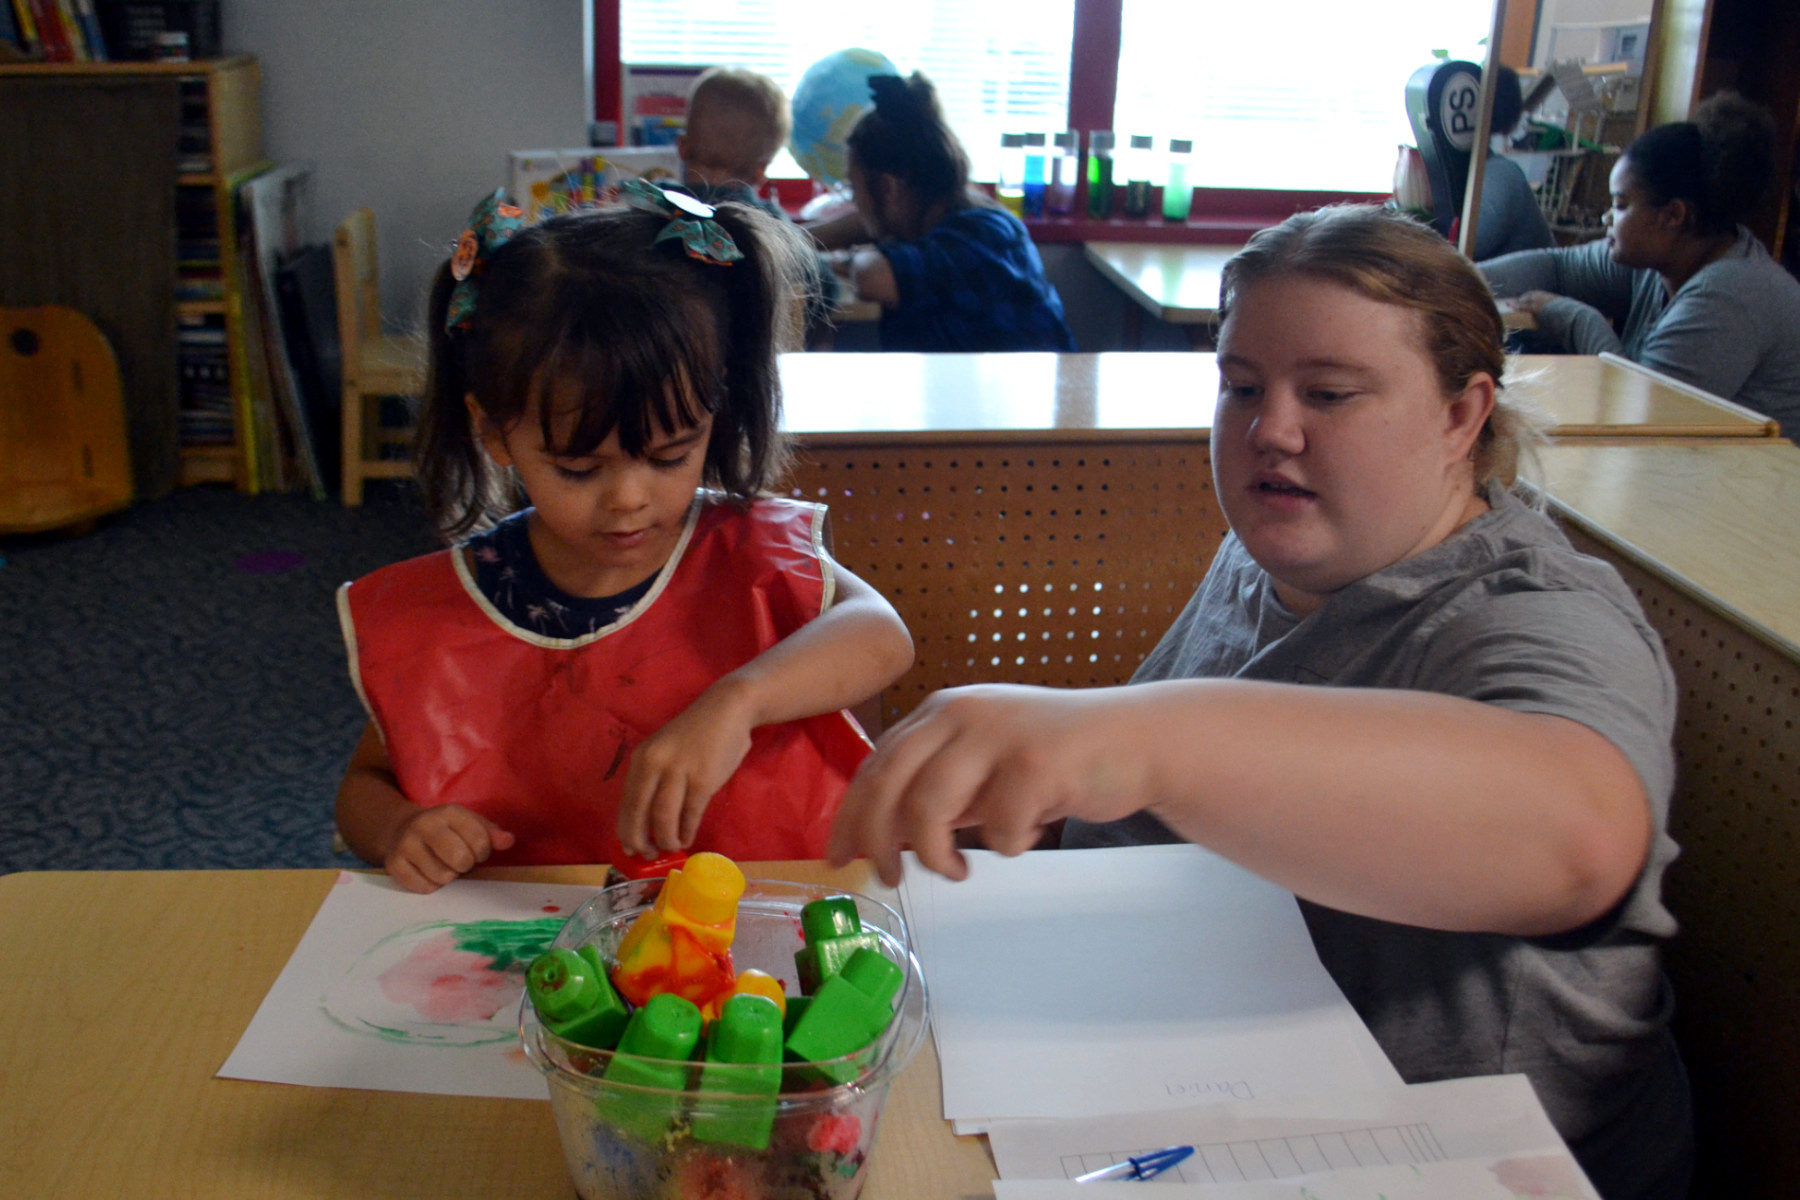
[
  {"x": 1037, "y": 176},
  {"x": 848, "y": 1012},
  {"x": 574, "y": 999},
  {"x": 833, "y": 932},
  {"x": 1178, "y": 191},
  {"x": 1064, "y": 171},
  {"x": 1009, "y": 185},
  {"x": 1100, "y": 174},
  {"x": 1140, "y": 170},
  {"x": 682, "y": 945},
  {"x": 653, "y": 1052},
  {"x": 742, "y": 1075}
]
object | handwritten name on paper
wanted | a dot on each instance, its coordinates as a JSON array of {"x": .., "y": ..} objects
[{"x": 1202, "y": 1090}]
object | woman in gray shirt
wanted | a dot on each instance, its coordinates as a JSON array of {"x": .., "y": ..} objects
[
  {"x": 1399, "y": 693},
  {"x": 1678, "y": 283}
]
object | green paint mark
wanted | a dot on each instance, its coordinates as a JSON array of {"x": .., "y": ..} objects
[{"x": 507, "y": 943}]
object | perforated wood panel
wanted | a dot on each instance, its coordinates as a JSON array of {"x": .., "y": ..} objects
[
  {"x": 1735, "y": 888},
  {"x": 1057, "y": 564}
]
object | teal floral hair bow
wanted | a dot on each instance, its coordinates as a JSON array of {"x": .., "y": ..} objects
[
  {"x": 690, "y": 220},
  {"x": 491, "y": 226}
]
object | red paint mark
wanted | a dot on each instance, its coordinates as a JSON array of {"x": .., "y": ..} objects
[
  {"x": 552, "y": 908},
  {"x": 834, "y": 1132},
  {"x": 448, "y": 985}
]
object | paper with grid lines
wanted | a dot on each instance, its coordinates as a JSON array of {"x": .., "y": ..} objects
[{"x": 1458, "y": 1137}]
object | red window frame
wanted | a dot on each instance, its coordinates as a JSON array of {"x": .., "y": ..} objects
[{"x": 1219, "y": 214}]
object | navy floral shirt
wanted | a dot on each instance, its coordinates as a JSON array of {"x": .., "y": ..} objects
[{"x": 507, "y": 573}]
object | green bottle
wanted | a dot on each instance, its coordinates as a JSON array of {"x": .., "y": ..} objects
[{"x": 1100, "y": 174}]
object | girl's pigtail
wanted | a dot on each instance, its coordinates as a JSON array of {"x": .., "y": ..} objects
[
  {"x": 453, "y": 471},
  {"x": 765, "y": 314}
]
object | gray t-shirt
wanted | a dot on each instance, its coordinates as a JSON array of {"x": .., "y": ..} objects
[
  {"x": 1504, "y": 612},
  {"x": 1732, "y": 330}
]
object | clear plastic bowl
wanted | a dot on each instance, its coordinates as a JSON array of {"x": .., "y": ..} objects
[{"x": 627, "y": 1141}]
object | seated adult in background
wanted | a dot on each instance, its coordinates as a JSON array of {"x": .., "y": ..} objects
[
  {"x": 1510, "y": 219},
  {"x": 1399, "y": 693},
  {"x": 951, "y": 269},
  {"x": 737, "y": 122},
  {"x": 1692, "y": 292}
]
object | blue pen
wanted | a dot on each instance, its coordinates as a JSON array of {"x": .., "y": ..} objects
[{"x": 1141, "y": 1166}]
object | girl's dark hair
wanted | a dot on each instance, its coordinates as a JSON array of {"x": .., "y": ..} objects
[
  {"x": 905, "y": 135},
  {"x": 1720, "y": 164},
  {"x": 649, "y": 338}
]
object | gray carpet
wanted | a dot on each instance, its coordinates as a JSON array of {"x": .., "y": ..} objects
[{"x": 172, "y": 684}]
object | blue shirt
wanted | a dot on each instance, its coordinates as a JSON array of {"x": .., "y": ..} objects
[{"x": 973, "y": 283}]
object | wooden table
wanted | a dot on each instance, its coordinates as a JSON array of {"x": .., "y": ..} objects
[
  {"x": 907, "y": 399},
  {"x": 1177, "y": 284},
  {"x": 1718, "y": 521},
  {"x": 123, "y": 991}
]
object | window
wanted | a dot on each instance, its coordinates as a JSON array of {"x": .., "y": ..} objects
[
  {"x": 1304, "y": 94},
  {"x": 997, "y": 64}
]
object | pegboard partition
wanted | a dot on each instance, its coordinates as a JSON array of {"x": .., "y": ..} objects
[
  {"x": 1736, "y": 887},
  {"x": 1058, "y": 563}
]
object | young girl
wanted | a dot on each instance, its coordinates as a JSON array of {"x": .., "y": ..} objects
[
  {"x": 649, "y": 657},
  {"x": 952, "y": 270},
  {"x": 1398, "y": 692}
]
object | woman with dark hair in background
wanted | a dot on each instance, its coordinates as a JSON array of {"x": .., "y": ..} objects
[
  {"x": 1693, "y": 294},
  {"x": 951, "y": 269}
]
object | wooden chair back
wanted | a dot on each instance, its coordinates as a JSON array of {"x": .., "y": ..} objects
[{"x": 374, "y": 364}]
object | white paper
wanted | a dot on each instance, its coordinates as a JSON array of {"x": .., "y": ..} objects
[
  {"x": 1083, "y": 982},
  {"x": 1534, "y": 1178},
  {"x": 390, "y": 990},
  {"x": 1488, "y": 1121}
]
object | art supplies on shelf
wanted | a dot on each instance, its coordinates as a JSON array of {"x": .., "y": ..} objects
[{"x": 547, "y": 183}]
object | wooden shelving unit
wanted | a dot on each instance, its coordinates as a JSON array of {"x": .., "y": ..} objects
[{"x": 219, "y": 144}]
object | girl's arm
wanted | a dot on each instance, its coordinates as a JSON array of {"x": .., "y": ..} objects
[
  {"x": 872, "y": 277},
  {"x": 838, "y": 659},
  {"x": 1413, "y": 807},
  {"x": 422, "y": 848},
  {"x": 840, "y": 232}
]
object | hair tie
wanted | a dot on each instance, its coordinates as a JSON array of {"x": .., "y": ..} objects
[
  {"x": 491, "y": 226},
  {"x": 690, "y": 220}
]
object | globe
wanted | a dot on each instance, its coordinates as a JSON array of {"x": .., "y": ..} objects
[{"x": 832, "y": 94}]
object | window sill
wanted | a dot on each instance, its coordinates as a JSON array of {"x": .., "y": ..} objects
[{"x": 1219, "y": 217}]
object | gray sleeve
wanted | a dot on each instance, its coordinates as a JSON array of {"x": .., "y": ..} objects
[
  {"x": 1571, "y": 654},
  {"x": 1706, "y": 337},
  {"x": 1586, "y": 273},
  {"x": 1578, "y": 328}
]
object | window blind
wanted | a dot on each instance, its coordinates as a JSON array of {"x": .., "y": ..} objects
[
  {"x": 1296, "y": 94},
  {"x": 998, "y": 65}
]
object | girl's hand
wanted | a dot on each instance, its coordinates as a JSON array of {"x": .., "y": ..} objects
[
  {"x": 436, "y": 845},
  {"x": 676, "y": 772},
  {"x": 1005, "y": 760}
]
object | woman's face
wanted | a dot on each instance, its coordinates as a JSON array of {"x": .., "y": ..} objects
[
  {"x": 1639, "y": 231},
  {"x": 1335, "y": 452}
]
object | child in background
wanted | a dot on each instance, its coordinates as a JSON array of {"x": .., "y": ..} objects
[
  {"x": 737, "y": 122},
  {"x": 650, "y": 657},
  {"x": 952, "y": 270}
]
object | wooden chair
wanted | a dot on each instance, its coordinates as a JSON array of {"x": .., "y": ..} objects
[{"x": 375, "y": 364}]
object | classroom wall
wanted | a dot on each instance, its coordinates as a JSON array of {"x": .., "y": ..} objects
[{"x": 410, "y": 107}]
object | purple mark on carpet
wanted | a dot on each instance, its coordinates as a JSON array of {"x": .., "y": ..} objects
[{"x": 270, "y": 562}]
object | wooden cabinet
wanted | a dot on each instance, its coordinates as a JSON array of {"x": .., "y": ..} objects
[{"x": 116, "y": 184}]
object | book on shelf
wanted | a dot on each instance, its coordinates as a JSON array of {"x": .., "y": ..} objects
[
  {"x": 271, "y": 210},
  {"x": 53, "y": 38},
  {"x": 12, "y": 34},
  {"x": 88, "y": 17}
]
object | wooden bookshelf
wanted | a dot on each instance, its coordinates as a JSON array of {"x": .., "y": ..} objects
[{"x": 221, "y": 97}]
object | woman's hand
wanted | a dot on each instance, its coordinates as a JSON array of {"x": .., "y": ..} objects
[
  {"x": 436, "y": 845},
  {"x": 1006, "y": 760},
  {"x": 1533, "y": 302},
  {"x": 676, "y": 771}
]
